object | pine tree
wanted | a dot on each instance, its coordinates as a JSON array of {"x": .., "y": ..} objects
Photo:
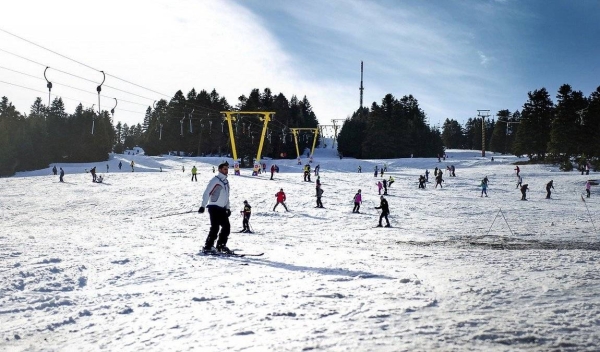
[
  {"x": 566, "y": 134},
  {"x": 499, "y": 138},
  {"x": 533, "y": 133}
]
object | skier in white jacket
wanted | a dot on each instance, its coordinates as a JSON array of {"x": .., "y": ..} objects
[{"x": 216, "y": 199}]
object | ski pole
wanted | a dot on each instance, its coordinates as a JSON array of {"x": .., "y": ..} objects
[
  {"x": 172, "y": 214},
  {"x": 588, "y": 210}
]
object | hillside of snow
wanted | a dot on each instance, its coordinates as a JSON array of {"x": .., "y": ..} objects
[{"x": 115, "y": 265}]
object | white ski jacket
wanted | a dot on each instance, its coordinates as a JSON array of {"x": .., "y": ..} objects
[{"x": 217, "y": 192}]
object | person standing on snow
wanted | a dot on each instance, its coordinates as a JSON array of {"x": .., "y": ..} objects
[
  {"x": 524, "y": 192},
  {"x": 426, "y": 176},
  {"x": 120, "y": 164},
  {"x": 106, "y": 168},
  {"x": 439, "y": 179},
  {"x": 379, "y": 187},
  {"x": 517, "y": 170},
  {"x": 317, "y": 169},
  {"x": 588, "y": 186},
  {"x": 549, "y": 185},
  {"x": 246, "y": 214},
  {"x": 385, "y": 211},
  {"x": 93, "y": 172},
  {"x": 390, "y": 181},
  {"x": 216, "y": 199},
  {"x": 54, "y": 170},
  {"x": 306, "y": 172},
  {"x": 385, "y": 184},
  {"x": 272, "y": 170},
  {"x": 357, "y": 202},
  {"x": 194, "y": 172},
  {"x": 587, "y": 168},
  {"x": 359, "y": 169},
  {"x": 318, "y": 183},
  {"x": 62, "y": 174},
  {"x": 519, "y": 181},
  {"x": 280, "y": 199},
  {"x": 319, "y": 194},
  {"x": 376, "y": 170},
  {"x": 484, "y": 187},
  {"x": 132, "y": 165}
]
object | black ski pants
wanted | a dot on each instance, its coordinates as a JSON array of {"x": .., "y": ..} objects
[
  {"x": 319, "y": 203},
  {"x": 194, "y": 177},
  {"x": 218, "y": 219},
  {"x": 246, "y": 223},
  {"x": 356, "y": 207},
  {"x": 384, "y": 215},
  {"x": 282, "y": 203}
]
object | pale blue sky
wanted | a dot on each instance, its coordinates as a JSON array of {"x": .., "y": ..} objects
[{"x": 455, "y": 57}]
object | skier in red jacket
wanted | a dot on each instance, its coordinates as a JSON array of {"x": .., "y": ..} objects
[{"x": 280, "y": 199}]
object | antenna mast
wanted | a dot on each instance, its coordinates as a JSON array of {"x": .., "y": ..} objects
[{"x": 361, "y": 87}]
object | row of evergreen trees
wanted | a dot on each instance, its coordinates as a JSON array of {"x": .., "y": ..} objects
[
  {"x": 542, "y": 130},
  {"x": 194, "y": 125},
  {"x": 49, "y": 134},
  {"x": 394, "y": 129},
  {"x": 190, "y": 124}
]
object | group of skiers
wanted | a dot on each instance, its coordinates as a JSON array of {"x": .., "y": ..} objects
[
  {"x": 92, "y": 171},
  {"x": 62, "y": 173},
  {"x": 215, "y": 198}
]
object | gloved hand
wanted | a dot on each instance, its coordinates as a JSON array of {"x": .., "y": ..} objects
[
  {"x": 201, "y": 210},
  {"x": 228, "y": 212}
]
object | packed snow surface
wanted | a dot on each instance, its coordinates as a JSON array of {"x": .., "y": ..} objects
[{"x": 116, "y": 266}]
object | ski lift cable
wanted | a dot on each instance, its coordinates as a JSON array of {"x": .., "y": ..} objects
[
  {"x": 64, "y": 97},
  {"x": 68, "y": 86},
  {"x": 89, "y": 80}
]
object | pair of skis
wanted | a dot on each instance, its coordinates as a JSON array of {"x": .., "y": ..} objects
[{"x": 234, "y": 255}]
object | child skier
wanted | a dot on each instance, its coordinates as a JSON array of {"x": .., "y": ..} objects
[
  {"x": 385, "y": 211},
  {"x": 246, "y": 214},
  {"x": 357, "y": 202},
  {"x": 484, "y": 187},
  {"x": 588, "y": 186}
]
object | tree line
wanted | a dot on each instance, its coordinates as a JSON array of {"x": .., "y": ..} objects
[
  {"x": 48, "y": 134},
  {"x": 393, "y": 129},
  {"x": 179, "y": 125},
  {"x": 545, "y": 131},
  {"x": 190, "y": 124}
]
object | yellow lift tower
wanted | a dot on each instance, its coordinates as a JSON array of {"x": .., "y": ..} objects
[
  {"x": 295, "y": 133},
  {"x": 231, "y": 116}
]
